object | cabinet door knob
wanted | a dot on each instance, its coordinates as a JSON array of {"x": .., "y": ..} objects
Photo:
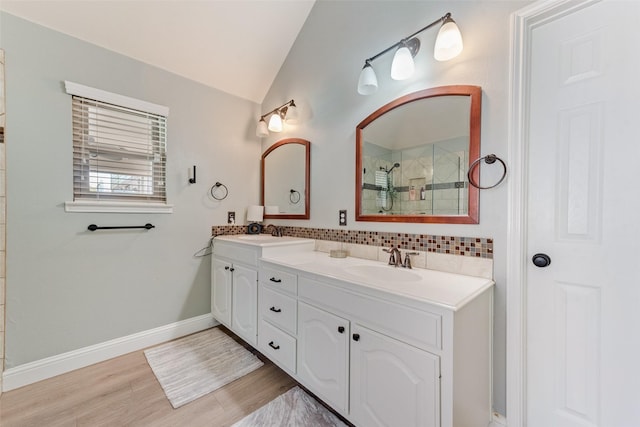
[
  {"x": 275, "y": 310},
  {"x": 226, "y": 267},
  {"x": 273, "y": 346},
  {"x": 341, "y": 329},
  {"x": 274, "y": 280},
  {"x": 232, "y": 269},
  {"x": 356, "y": 337}
]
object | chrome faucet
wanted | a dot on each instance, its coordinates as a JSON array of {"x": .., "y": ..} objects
[
  {"x": 395, "y": 257},
  {"x": 276, "y": 232}
]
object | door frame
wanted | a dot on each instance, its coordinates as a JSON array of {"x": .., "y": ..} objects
[{"x": 523, "y": 22}]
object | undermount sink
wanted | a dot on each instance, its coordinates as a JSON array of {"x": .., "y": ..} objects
[
  {"x": 259, "y": 237},
  {"x": 384, "y": 273}
]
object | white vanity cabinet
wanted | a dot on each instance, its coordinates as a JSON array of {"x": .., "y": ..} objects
[
  {"x": 378, "y": 356},
  {"x": 234, "y": 292},
  {"x": 234, "y": 289},
  {"x": 278, "y": 310},
  {"x": 376, "y": 379},
  {"x": 323, "y": 354},
  {"x": 221, "y": 290},
  {"x": 392, "y": 383},
  {"x": 387, "y": 382}
]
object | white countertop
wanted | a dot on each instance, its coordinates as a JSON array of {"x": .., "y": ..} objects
[
  {"x": 448, "y": 290},
  {"x": 263, "y": 240}
]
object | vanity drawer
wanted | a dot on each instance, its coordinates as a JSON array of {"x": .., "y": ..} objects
[
  {"x": 279, "y": 309},
  {"x": 416, "y": 327},
  {"x": 277, "y": 346},
  {"x": 281, "y": 280}
]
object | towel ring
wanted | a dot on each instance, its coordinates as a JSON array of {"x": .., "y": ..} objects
[
  {"x": 488, "y": 159},
  {"x": 216, "y": 186},
  {"x": 294, "y": 196}
]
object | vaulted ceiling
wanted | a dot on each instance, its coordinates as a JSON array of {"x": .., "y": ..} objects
[{"x": 236, "y": 46}]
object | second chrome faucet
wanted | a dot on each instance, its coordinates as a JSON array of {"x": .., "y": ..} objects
[{"x": 395, "y": 257}]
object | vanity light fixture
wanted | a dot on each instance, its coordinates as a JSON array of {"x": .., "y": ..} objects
[
  {"x": 287, "y": 112},
  {"x": 448, "y": 45}
]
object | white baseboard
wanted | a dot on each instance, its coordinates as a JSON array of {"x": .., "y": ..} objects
[
  {"x": 499, "y": 420},
  {"x": 55, "y": 365}
]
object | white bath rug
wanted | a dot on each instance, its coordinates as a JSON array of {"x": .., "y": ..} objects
[
  {"x": 190, "y": 367},
  {"x": 295, "y": 408}
]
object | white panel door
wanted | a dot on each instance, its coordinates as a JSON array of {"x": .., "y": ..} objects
[
  {"x": 583, "y": 309},
  {"x": 323, "y": 354},
  {"x": 392, "y": 383},
  {"x": 244, "y": 313}
]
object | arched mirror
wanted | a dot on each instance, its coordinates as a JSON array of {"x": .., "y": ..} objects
[
  {"x": 413, "y": 154},
  {"x": 285, "y": 179}
]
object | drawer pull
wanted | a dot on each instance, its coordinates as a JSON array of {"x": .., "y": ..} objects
[
  {"x": 356, "y": 337},
  {"x": 274, "y": 280},
  {"x": 341, "y": 329},
  {"x": 275, "y": 347},
  {"x": 275, "y": 310}
]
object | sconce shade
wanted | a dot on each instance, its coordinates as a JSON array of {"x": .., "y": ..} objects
[
  {"x": 261, "y": 129},
  {"x": 292, "y": 114},
  {"x": 448, "y": 45},
  {"x": 286, "y": 112},
  {"x": 275, "y": 122},
  {"x": 402, "y": 66},
  {"x": 368, "y": 82},
  {"x": 449, "y": 41}
]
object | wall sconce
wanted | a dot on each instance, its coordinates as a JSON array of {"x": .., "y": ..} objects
[
  {"x": 448, "y": 45},
  {"x": 287, "y": 112}
]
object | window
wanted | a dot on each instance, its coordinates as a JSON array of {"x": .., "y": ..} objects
[{"x": 119, "y": 153}]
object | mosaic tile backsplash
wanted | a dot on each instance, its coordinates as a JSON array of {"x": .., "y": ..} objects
[{"x": 465, "y": 246}]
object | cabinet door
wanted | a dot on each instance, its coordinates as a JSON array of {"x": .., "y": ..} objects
[
  {"x": 244, "y": 314},
  {"x": 221, "y": 291},
  {"x": 323, "y": 356},
  {"x": 392, "y": 383}
]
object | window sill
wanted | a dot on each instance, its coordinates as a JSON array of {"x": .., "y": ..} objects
[{"x": 90, "y": 206}]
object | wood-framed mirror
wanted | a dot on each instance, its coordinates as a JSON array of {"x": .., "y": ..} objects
[
  {"x": 413, "y": 155},
  {"x": 284, "y": 189}
]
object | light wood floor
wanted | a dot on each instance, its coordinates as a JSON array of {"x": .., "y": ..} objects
[{"x": 124, "y": 392}]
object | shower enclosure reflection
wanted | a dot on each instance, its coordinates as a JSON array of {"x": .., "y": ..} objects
[
  {"x": 413, "y": 154},
  {"x": 425, "y": 180}
]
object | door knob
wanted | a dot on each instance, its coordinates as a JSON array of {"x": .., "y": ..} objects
[{"x": 541, "y": 260}]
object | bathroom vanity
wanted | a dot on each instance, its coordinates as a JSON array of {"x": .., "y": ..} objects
[
  {"x": 234, "y": 278},
  {"x": 383, "y": 346}
]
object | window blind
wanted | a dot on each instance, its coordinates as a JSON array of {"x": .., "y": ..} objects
[{"x": 119, "y": 153}]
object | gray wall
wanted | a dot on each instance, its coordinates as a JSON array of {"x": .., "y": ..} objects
[
  {"x": 321, "y": 74},
  {"x": 68, "y": 288}
]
